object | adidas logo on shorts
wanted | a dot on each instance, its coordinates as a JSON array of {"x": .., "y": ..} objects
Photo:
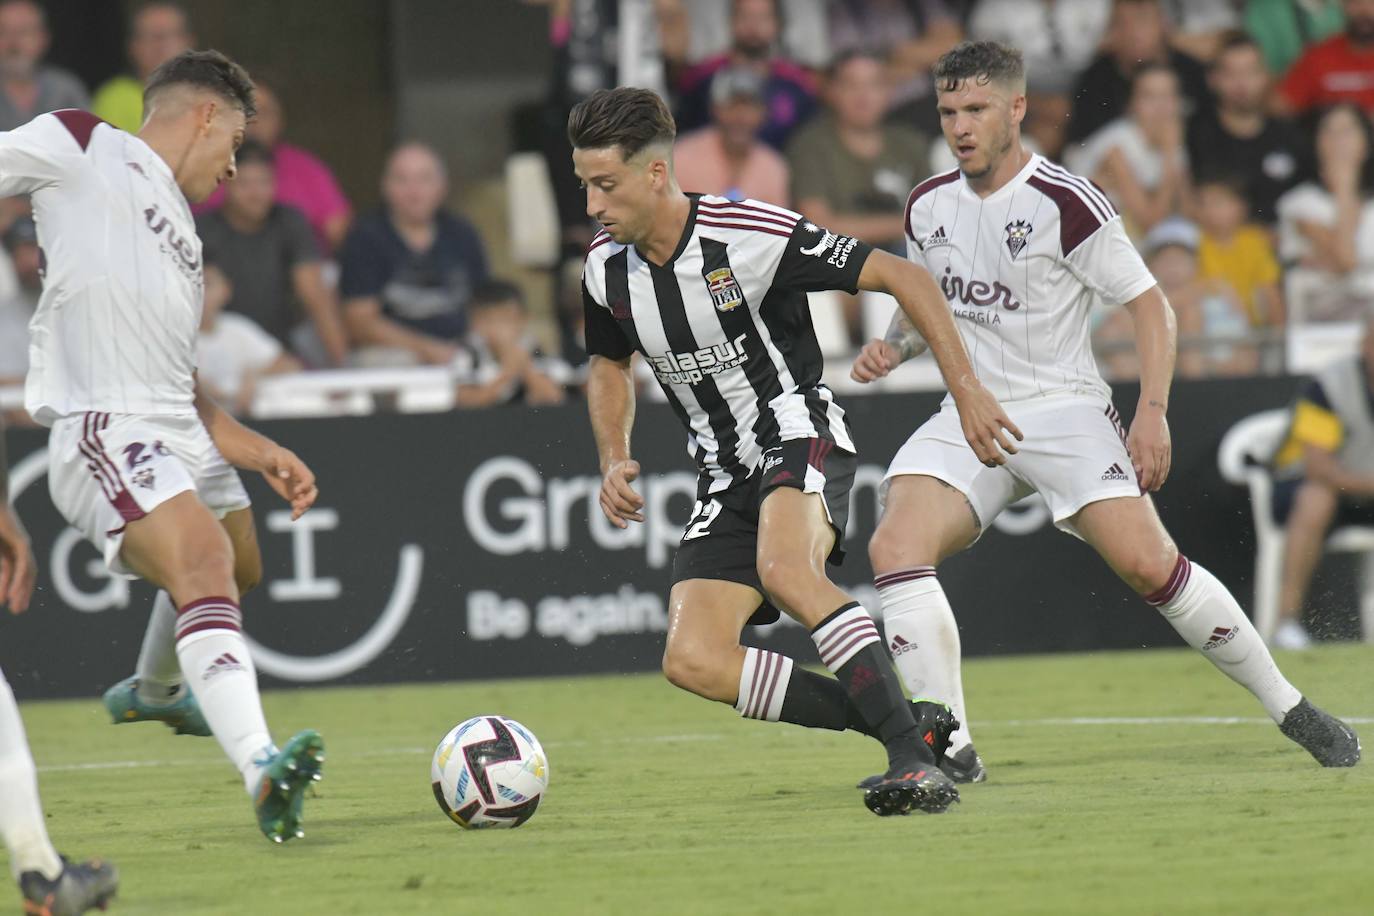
[{"x": 1115, "y": 473}]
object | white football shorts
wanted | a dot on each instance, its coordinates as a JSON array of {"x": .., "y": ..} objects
[
  {"x": 1074, "y": 454},
  {"x": 106, "y": 470}
]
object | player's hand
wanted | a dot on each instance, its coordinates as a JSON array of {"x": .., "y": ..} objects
[
  {"x": 293, "y": 481},
  {"x": 619, "y": 501},
  {"x": 986, "y": 426},
  {"x": 875, "y": 360},
  {"x": 18, "y": 571},
  {"x": 1152, "y": 450}
]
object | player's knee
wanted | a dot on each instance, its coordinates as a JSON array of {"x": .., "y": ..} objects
[
  {"x": 890, "y": 550},
  {"x": 206, "y": 566},
  {"x": 1149, "y": 571},
  {"x": 691, "y": 667}
]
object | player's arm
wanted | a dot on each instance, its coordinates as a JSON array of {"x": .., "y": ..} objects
[
  {"x": 39, "y": 154},
  {"x": 1156, "y": 335},
  {"x": 920, "y": 299},
  {"x": 18, "y": 571},
  {"x": 611, "y": 405},
  {"x": 252, "y": 451},
  {"x": 879, "y": 357}
]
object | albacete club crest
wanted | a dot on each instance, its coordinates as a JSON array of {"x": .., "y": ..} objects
[
  {"x": 1017, "y": 233},
  {"x": 724, "y": 289}
]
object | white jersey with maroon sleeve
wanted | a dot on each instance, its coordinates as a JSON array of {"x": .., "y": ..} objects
[
  {"x": 1022, "y": 269},
  {"x": 115, "y": 329}
]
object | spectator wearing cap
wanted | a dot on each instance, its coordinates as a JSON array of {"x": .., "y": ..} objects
[
  {"x": 408, "y": 269},
  {"x": 1138, "y": 34},
  {"x": 269, "y": 255},
  {"x": 729, "y": 158},
  {"x": 1238, "y": 137},
  {"x": 29, "y": 87},
  {"x": 1284, "y": 28},
  {"x": 21, "y": 282},
  {"x": 303, "y": 180},
  {"x": 232, "y": 352},
  {"x": 1339, "y": 69},
  {"x": 789, "y": 93},
  {"x": 158, "y": 31}
]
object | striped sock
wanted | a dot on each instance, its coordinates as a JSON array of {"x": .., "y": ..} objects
[
  {"x": 1208, "y": 618},
  {"x": 773, "y": 689},
  {"x": 849, "y": 645},
  {"x": 215, "y": 663}
]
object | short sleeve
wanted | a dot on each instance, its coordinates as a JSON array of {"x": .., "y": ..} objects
[
  {"x": 603, "y": 333},
  {"x": 298, "y": 236},
  {"x": 363, "y": 268},
  {"x": 815, "y": 259},
  {"x": 44, "y": 151},
  {"x": 1108, "y": 263}
]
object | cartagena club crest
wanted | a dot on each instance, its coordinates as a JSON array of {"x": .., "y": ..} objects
[
  {"x": 724, "y": 289},
  {"x": 1017, "y": 233}
]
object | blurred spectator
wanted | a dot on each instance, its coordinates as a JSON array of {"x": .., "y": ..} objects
[
  {"x": 158, "y": 31},
  {"x": 1237, "y": 136},
  {"x": 1339, "y": 69},
  {"x": 1284, "y": 28},
  {"x": 804, "y": 37},
  {"x": 851, "y": 172},
  {"x": 232, "y": 352},
  {"x": 788, "y": 90},
  {"x": 303, "y": 181},
  {"x": 267, "y": 252},
  {"x": 729, "y": 158},
  {"x": 499, "y": 356},
  {"x": 1198, "y": 26},
  {"x": 1058, "y": 39},
  {"x": 1326, "y": 225},
  {"x": 409, "y": 269},
  {"x": 910, "y": 34},
  {"x": 21, "y": 282},
  {"x": 1236, "y": 251},
  {"x": 28, "y": 87},
  {"x": 1324, "y": 476},
  {"x": 1138, "y": 34},
  {"x": 1140, "y": 159}
]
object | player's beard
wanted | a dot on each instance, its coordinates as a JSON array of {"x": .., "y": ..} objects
[{"x": 1000, "y": 146}]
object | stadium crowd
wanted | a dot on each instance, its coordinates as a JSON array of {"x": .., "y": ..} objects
[{"x": 1233, "y": 135}]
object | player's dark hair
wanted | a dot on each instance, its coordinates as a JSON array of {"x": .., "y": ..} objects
[
  {"x": 496, "y": 292},
  {"x": 252, "y": 151},
  {"x": 626, "y": 117},
  {"x": 981, "y": 61},
  {"x": 208, "y": 70}
]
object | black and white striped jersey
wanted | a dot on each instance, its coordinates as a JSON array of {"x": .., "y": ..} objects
[{"x": 726, "y": 327}]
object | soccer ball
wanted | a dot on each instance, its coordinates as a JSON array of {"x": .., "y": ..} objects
[{"x": 489, "y": 772}]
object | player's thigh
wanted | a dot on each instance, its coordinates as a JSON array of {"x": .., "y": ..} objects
[
  {"x": 180, "y": 546},
  {"x": 924, "y": 521},
  {"x": 795, "y": 538},
  {"x": 705, "y": 619},
  {"x": 243, "y": 536},
  {"x": 1074, "y": 454},
  {"x": 1127, "y": 532}
]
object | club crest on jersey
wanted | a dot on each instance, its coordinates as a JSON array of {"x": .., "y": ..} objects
[
  {"x": 724, "y": 289},
  {"x": 1017, "y": 233}
]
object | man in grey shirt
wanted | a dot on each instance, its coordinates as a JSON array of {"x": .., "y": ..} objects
[{"x": 28, "y": 87}]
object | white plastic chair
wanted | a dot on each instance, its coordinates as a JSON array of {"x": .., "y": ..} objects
[{"x": 1242, "y": 458}]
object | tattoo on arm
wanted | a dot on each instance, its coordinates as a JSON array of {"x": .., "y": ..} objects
[{"x": 904, "y": 337}]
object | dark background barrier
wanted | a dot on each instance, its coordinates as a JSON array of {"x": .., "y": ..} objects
[{"x": 469, "y": 545}]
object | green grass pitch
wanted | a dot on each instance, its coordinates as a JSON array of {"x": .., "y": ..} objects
[{"x": 1107, "y": 795}]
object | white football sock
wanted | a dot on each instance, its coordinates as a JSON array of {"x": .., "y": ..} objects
[
  {"x": 214, "y": 660},
  {"x": 1209, "y": 619},
  {"x": 158, "y": 670},
  {"x": 21, "y": 813},
  {"x": 924, "y": 641},
  {"x": 763, "y": 684}
]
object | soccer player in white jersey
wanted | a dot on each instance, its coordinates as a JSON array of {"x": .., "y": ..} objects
[
  {"x": 712, "y": 293},
  {"x": 139, "y": 460},
  {"x": 1023, "y": 251},
  {"x": 47, "y": 882}
]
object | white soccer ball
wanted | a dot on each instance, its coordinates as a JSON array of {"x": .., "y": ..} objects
[{"x": 489, "y": 772}]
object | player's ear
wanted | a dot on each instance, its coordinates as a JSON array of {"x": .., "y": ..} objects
[
  {"x": 1018, "y": 106},
  {"x": 208, "y": 109}
]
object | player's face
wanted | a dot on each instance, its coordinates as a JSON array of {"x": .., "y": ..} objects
[
  {"x": 979, "y": 121},
  {"x": 620, "y": 194},
  {"x": 210, "y": 160}
]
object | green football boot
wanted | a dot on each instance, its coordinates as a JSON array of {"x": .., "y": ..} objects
[
  {"x": 281, "y": 791},
  {"x": 183, "y": 714}
]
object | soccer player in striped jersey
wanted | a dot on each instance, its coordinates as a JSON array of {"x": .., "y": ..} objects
[
  {"x": 139, "y": 460},
  {"x": 1024, "y": 250},
  {"x": 47, "y": 882},
  {"x": 712, "y": 293}
]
